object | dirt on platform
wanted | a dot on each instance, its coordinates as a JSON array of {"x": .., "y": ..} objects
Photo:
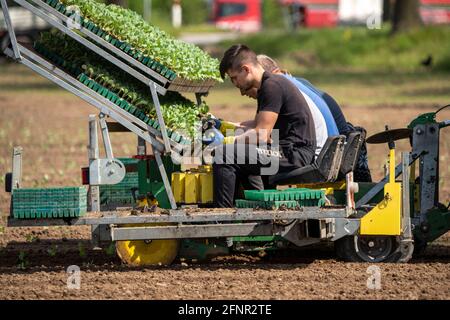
[{"x": 52, "y": 127}]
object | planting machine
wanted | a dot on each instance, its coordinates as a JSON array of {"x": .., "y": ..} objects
[{"x": 154, "y": 210}]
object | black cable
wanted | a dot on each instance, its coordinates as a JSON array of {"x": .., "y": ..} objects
[{"x": 442, "y": 108}]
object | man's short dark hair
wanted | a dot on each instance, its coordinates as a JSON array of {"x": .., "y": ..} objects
[{"x": 235, "y": 57}]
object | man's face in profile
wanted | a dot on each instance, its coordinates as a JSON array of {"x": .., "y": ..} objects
[
  {"x": 241, "y": 78},
  {"x": 251, "y": 93}
]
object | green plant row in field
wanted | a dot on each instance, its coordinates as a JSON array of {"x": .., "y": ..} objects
[
  {"x": 179, "y": 113},
  {"x": 141, "y": 39}
]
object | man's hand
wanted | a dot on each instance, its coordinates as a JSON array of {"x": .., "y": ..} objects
[
  {"x": 264, "y": 123},
  {"x": 214, "y": 137},
  {"x": 223, "y": 126}
]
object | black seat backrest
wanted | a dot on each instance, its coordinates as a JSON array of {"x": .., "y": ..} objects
[
  {"x": 330, "y": 157},
  {"x": 351, "y": 152}
]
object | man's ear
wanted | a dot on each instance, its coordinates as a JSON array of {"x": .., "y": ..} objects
[{"x": 246, "y": 68}]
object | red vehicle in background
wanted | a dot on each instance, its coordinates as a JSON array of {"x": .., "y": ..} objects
[
  {"x": 312, "y": 13},
  {"x": 237, "y": 15},
  {"x": 435, "y": 11},
  {"x": 246, "y": 15}
]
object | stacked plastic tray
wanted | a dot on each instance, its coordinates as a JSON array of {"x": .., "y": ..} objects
[
  {"x": 108, "y": 94},
  {"x": 41, "y": 203},
  {"x": 121, "y": 193},
  {"x": 111, "y": 96},
  {"x": 176, "y": 83},
  {"x": 292, "y": 198},
  {"x": 125, "y": 47}
]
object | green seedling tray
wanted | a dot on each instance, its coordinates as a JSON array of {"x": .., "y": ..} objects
[
  {"x": 284, "y": 195},
  {"x": 39, "y": 203},
  {"x": 270, "y": 205}
]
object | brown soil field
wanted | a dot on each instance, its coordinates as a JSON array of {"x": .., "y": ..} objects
[{"x": 52, "y": 127}]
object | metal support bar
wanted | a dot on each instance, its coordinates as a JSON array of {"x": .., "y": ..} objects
[
  {"x": 105, "y": 136},
  {"x": 57, "y": 24},
  {"x": 380, "y": 185},
  {"x": 17, "y": 168},
  {"x": 426, "y": 137},
  {"x": 10, "y": 28},
  {"x": 100, "y": 233},
  {"x": 141, "y": 147},
  {"x": 344, "y": 227},
  {"x": 166, "y": 182},
  {"x": 180, "y": 216},
  {"x": 162, "y": 125},
  {"x": 93, "y": 153},
  {"x": 406, "y": 210},
  {"x": 191, "y": 231}
]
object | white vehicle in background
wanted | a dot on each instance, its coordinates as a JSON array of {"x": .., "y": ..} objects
[{"x": 26, "y": 25}]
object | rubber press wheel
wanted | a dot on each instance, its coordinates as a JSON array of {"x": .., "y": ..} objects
[
  {"x": 367, "y": 249},
  {"x": 147, "y": 252}
]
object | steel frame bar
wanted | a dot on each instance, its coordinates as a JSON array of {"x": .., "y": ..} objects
[
  {"x": 180, "y": 216},
  {"x": 192, "y": 231},
  {"x": 11, "y": 33},
  {"x": 380, "y": 185},
  {"x": 406, "y": 210}
]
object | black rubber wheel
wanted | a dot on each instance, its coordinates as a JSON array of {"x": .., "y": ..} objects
[
  {"x": 8, "y": 182},
  {"x": 367, "y": 249}
]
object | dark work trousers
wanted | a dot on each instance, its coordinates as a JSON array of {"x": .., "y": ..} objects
[{"x": 244, "y": 164}]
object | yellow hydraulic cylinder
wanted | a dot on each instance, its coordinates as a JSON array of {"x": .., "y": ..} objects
[{"x": 178, "y": 182}]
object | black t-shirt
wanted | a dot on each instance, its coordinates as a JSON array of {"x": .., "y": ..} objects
[{"x": 295, "y": 122}]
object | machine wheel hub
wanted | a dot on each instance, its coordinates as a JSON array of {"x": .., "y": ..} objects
[{"x": 373, "y": 249}]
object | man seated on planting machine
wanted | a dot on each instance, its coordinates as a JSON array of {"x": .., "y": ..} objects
[
  {"x": 326, "y": 108},
  {"x": 282, "y": 114}
]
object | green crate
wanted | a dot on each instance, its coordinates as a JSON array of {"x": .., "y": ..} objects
[
  {"x": 270, "y": 205},
  {"x": 284, "y": 195},
  {"x": 39, "y": 203},
  {"x": 120, "y": 193}
]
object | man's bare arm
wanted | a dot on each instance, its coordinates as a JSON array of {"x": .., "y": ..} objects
[{"x": 264, "y": 123}]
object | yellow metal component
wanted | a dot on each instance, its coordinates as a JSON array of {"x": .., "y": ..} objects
[
  {"x": 141, "y": 202},
  {"x": 206, "y": 187},
  {"x": 229, "y": 140},
  {"x": 192, "y": 188},
  {"x": 178, "y": 180},
  {"x": 144, "y": 253},
  {"x": 227, "y": 128},
  {"x": 385, "y": 218},
  {"x": 340, "y": 185},
  {"x": 205, "y": 168}
]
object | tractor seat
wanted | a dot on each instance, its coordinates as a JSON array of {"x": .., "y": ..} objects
[
  {"x": 351, "y": 152},
  {"x": 324, "y": 169}
]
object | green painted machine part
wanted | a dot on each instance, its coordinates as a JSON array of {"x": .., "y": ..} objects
[
  {"x": 438, "y": 223},
  {"x": 150, "y": 179},
  {"x": 201, "y": 250},
  {"x": 424, "y": 118}
]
